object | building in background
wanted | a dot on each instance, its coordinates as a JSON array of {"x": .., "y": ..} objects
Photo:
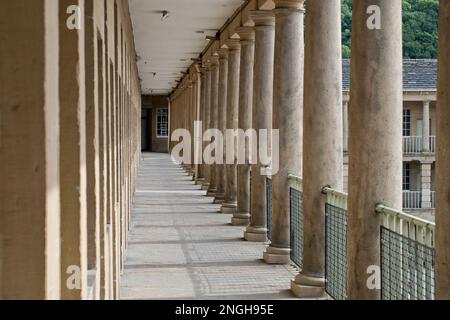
[
  {"x": 155, "y": 124},
  {"x": 419, "y": 134}
]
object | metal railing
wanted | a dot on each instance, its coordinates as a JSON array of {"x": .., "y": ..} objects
[
  {"x": 433, "y": 144},
  {"x": 269, "y": 206},
  {"x": 412, "y": 200},
  {"x": 296, "y": 219},
  {"x": 412, "y": 144},
  {"x": 336, "y": 244},
  {"x": 407, "y": 256},
  {"x": 433, "y": 199}
]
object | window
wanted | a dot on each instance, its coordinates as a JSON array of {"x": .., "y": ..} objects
[
  {"x": 406, "y": 122},
  {"x": 162, "y": 123},
  {"x": 406, "y": 177}
]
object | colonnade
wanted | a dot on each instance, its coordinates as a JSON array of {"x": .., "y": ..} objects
[
  {"x": 70, "y": 147},
  {"x": 269, "y": 76}
]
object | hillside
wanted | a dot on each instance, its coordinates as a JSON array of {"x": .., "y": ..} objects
[{"x": 420, "y": 28}]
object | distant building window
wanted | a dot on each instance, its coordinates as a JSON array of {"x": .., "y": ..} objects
[
  {"x": 406, "y": 177},
  {"x": 406, "y": 122},
  {"x": 162, "y": 123}
]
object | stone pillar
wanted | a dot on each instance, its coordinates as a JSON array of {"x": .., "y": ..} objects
[
  {"x": 288, "y": 119},
  {"x": 207, "y": 106},
  {"x": 375, "y": 144},
  {"x": 425, "y": 172},
  {"x": 234, "y": 57},
  {"x": 72, "y": 118},
  {"x": 92, "y": 145},
  {"x": 29, "y": 151},
  {"x": 322, "y": 140},
  {"x": 214, "y": 120},
  {"x": 443, "y": 158},
  {"x": 198, "y": 132},
  {"x": 201, "y": 168},
  {"x": 426, "y": 126},
  {"x": 345, "y": 125},
  {"x": 247, "y": 35},
  {"x": 192, "y": 125},
  {"x": 223, "y": 85},
  {"x": 261, "y": 117}
]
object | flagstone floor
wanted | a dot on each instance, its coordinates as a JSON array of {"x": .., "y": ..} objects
[{"x": 181, "y": 247}]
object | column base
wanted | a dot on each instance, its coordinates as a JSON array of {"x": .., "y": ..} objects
[
  {"x": 219, "y": 199},
  {"x": 253, "y": 234},
  {"x": 240, "y": 219},
  {"x": 308, "y": 287},
  {"x": 211, "y": 192},
  {"x": 228, "y": 208},
  {"x": 200, "y": 181},
  {"x": 205, "y": 186},
  {"x": 277, "y": 255}
]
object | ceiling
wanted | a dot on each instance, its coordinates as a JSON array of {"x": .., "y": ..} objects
[{"x": 166, "y": 47}]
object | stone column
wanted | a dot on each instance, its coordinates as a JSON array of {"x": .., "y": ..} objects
[
  {"x": 29, "y": 151},
  {"x": 425, "y": 172},
  {"x": 345, "y": 125},
  {"x": 234, "y": 57},
  {"x": 193, "y": 121},
  {"x": 207, "y": 106},
  {"x": 72, "y": 118},
  {"x": 247, "y": 35},
  {"x": 322, "y": 138},
  {"x": 443, "y": 158},
  {"x": 261, "y": 116},
  {"x": 426, "y": 126},
  {"x": 201, "y": 167},
  {"x": 214, "y": 120},
  {"x": 223, "y": 85},
  {"x": 92, "y": 145},
  {"x": 288, "y": 119},
  {"x": 375, "y": 144}
]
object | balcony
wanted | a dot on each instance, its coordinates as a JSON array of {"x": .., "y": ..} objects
[
  {"x": 406, "y": 246},
  {"x": 414, "y": 144},
  {"x": 412, "y": 200}
]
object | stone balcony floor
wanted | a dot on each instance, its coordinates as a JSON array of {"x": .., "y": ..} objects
[{"x": 181, "y": 247}]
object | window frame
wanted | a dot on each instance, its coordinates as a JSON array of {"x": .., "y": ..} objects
[
  {"x": 159, "y": 123},
  {"x": 406, "y": 180},
  {"x": 407, "y": 128}
]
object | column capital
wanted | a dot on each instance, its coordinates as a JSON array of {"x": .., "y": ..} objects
[
  {"x": 246, "y": 33},
  {"x": 426, "y": 102},
  {"x": 214, "y": 60},
  {"x": 207, "y": 65},
  {"x": 263, "y": 18},
  {"x": 233, "y": 44},
  {"x": 296, "y": 4},
  {"x": 223, "y": 54}
]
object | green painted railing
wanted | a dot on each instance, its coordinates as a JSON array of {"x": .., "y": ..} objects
[{"x": 296, "y": 219}]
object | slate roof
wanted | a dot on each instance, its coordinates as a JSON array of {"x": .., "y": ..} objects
[{"x": 418, "y": 75}]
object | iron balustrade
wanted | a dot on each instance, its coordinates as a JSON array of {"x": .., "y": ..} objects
[
  {"x": 433, "y": 144},
  {"x": 412, "y": 144},
  {"x": 412, "y": 200},
  {"x": 336, "y": 244},
  {"x": 269, "y": 207},
  {"x": 296, "y": 219},
  {"x": 433, "y": 199},
  {"x": 407, "y": 256}
]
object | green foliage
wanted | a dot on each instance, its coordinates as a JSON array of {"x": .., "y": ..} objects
[{"x": 420, "y": 28}]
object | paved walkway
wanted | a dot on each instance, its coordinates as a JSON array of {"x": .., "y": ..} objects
[{"x": 181, "y": 247}]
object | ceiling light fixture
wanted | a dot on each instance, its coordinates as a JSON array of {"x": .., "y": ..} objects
[{"x": 165, "y": 15}]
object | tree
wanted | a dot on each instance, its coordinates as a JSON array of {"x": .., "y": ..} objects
[{"x": 420, "y": 28}]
